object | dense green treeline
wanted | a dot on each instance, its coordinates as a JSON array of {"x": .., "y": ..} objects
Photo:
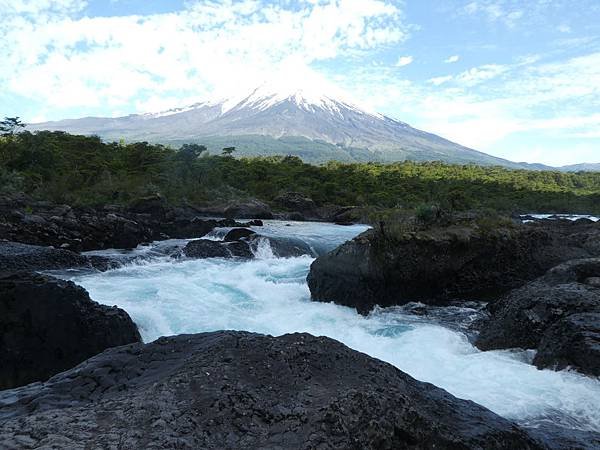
[{"x": 84, "y": 170}]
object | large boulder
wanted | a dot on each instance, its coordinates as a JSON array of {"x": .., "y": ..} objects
[
  {"x": 241, "y": 390},
  {"x": 238, "y": 233},
  {"x": 295, "y": 201},
  {"x": 49, "y": 325},
  {"x": 252, "y": 209},
  {"x": 206, "y": 248},
  {"x": 558, "y": 314},
  {"x": 154, "y": 205},
  {"x": 459, "y": 261},
  {"x": 247, "y": 245}
]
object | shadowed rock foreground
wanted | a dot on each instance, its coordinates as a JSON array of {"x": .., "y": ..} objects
[
  {"x": 244, "y": 390},
  {"x": 49, "y": 325}
]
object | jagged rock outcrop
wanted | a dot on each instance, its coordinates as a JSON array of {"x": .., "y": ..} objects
[
  {"x": 458, "y": 261},
  {"x": 49, "y": 325},
  {"x": 242, "y": 390},
  {"x": 557, "y": 314}
]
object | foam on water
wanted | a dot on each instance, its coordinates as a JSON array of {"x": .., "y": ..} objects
[{"x": 269, "y": 295}]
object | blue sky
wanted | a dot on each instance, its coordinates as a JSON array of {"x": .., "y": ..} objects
[{"x": 518, "y": 79}]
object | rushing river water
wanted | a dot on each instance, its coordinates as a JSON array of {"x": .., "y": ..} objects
[{"x": 270, "y": 295}]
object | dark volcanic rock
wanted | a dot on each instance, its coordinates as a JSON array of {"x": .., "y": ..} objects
[
  {"x": 15, "y": 256},
  {"x": 462, "y": 261},
  {"x": 49, "y": 325},
  {"x": 558, "y": 314},
  {"x": 241, "y": 390},
  {"x": 190, "y": 228},
  {"x": 283, "y": 247},
  {"x": 253, "y": 209},
  {"x": 295, "y": 201},
  {"x": 155, "y": 205},
  {"x": 521, "y": 317},
  {"x": 573, "y": 341},
  {"x": 205, "y": 248},
  {"x": 238, "y": 233}
]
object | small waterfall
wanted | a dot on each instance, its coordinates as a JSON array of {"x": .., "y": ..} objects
[{"x": 261, "y": 248}]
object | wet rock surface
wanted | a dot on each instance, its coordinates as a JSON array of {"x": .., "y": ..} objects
[
  {"x": 205, "y": 248},
  {"x": 246, "y": 244},
  {"x": 451, "y": 262},
  {"x": 49, "y": 325},
  {"x": 243, "y": 390},
  {"x": 15, "y": 256},
  {"x": 558, "y": 314},
  {"x": 238, "y": 233}
]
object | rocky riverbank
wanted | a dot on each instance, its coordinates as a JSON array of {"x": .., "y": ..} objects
[
  {"x": 80, "y": 229},
  {"x": 25, "y": 220},
  {"x": 459, "y": 261}
]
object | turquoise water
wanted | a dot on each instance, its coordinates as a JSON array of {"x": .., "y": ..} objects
[{"x": 270, "y": 295}]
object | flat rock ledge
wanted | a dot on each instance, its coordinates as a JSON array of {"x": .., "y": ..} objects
[{"x": 238, "y": 390}]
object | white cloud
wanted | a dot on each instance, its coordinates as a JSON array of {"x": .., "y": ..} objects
[
  {"x": 564, "y": 28},
  {"x": 471, "y": 77},
  {"x": 437, "y": 81},
  {"x": 54, "y": 55},
  {"x": 404, "y": 61},
  {"x": 495, "y": 11},
  {"x": 452, "y": 59},
  {"x": 480, "y": 74}
]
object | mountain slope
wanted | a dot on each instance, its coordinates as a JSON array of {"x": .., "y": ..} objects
[
  {"x": 304, "y": 122},
  {"x": 585, "y": 167}
]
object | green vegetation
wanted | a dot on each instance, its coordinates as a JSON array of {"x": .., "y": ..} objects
[{"x": 84, "y": 170}]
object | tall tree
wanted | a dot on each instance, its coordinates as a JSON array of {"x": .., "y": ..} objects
[{"x": 10, "y": 126}]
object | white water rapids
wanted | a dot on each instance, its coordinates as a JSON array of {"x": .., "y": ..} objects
[{"x": 270, "y": 295}]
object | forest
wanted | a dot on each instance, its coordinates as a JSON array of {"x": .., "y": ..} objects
[{"x": 82, "y": 170}]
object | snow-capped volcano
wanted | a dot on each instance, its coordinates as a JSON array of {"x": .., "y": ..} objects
[
  {"x": 315, "y": 121},
  {"x": 307, "y": 98}
]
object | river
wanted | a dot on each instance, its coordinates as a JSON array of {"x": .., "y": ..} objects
[{"x": 270, "y": 295}]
